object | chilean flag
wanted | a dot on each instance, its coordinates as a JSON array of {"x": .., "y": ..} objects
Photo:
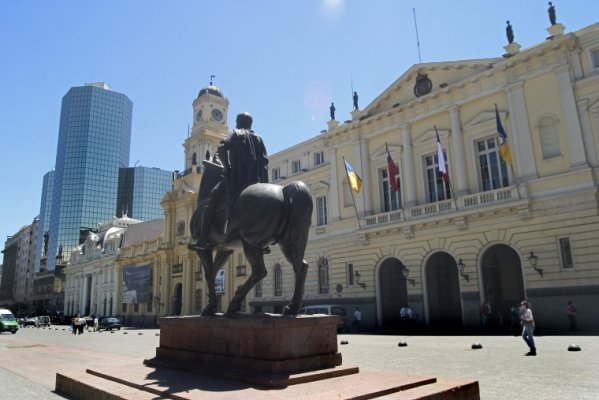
[
  {"x": 442, "y": 169},
  {"x": 392, "y": 169}
]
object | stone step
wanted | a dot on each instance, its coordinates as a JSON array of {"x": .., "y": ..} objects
[
  {"x": 84, "y": 386},
  {"x": 140, "y": 382},
  {"x": 443, "y": 389}
]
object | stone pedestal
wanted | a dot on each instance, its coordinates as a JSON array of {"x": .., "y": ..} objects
[
  {"x": 511, "y": 49},
  {"x": 332, "y": 124},
  {"x": 264, "y": 343},
  {"x": 218, "y": 358},
  {"x": 556, "y": 30},
  {"x": 355, "y": 114}
]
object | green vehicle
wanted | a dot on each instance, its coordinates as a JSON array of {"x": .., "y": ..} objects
[{"x": 8, "y": 321}]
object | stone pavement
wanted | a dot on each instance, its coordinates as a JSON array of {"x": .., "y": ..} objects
[{"x": 503, "y": 372}]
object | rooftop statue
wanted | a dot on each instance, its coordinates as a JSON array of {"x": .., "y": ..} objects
[
  {"x": 509, "y": 33},
  {"x": 551, "y": 11}
]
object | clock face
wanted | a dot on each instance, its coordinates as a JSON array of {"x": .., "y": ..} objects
[
  {"x": 199, "y": 116},
  {"x": 217, "y": 115}
]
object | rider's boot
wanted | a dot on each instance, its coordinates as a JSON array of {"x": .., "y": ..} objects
[{"x": 202, "y": 243}]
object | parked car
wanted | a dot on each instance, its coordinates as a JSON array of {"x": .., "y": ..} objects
[
  {"x": 110, "y": 323},
  {"x": 329, "y": 309},
  {"x": 8, "y": 321},
  {"x": 42, "y": 320},
  {"x": 30, "y": 321}
]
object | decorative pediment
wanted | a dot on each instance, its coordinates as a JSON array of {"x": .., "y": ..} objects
[
  {"x": 381, "y": 151},
  {"x": 483, "y": 120},
  {"x": 428, "y": 137},
  {"x": 422, "y": 80},
  {"x": 319, "y": 187}
]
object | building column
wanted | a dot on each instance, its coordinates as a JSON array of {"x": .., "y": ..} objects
[
  {"x": 84, "y": 294},
  {"x": 407, "y": 173},
  {"x": 188, "y": 284},
  {"x": 458, "y": 159},
  {"x": 570, "y": 113},
  {"x": 520, "y": 133},
  {"x": 333, "y": 187},
  {"x": 167, "y": 288},
  {"x": 364, "y": 166},
  {"x": 587, "y": 133}
]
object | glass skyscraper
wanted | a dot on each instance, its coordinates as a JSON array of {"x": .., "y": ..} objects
[
  {"x": 93, "y": 143},
  {"x": 45, "y": 207},
  {"x": 140, "y": 192}
]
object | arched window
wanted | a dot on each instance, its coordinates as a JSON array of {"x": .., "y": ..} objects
[
  {"x": 278, "y": 280},
  {"x": 323, "y": 275},
  {"x": 549, "y": 137}
]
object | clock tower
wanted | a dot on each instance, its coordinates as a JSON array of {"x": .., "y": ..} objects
[{"x": 209, "y": 127}]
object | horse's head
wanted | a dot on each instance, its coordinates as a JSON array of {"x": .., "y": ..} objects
[{"x": 211, "y": 176}]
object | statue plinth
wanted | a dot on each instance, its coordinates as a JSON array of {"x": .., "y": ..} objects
[
  {"x": 263, "y": 349},
  {"x": 355, "y": 114},
  {"x": 556, "y": 30},
  {"x": 511, "y": 49},
  {"x": 332, "y": 124}
]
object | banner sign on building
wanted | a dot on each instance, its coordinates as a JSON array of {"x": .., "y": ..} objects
[
  {"x": 137, "y": 284},
  {"x": 219, "y": 282}
]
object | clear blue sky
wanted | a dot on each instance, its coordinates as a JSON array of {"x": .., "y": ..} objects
[{"x": 284, "y": 61}]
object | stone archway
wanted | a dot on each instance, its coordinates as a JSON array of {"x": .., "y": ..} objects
[
  {"x": 177, "y": 299},
  {"x": 443, "y": 292},
  {"x": 502, "y": 285},
  {"x": 393, "y": 292}
]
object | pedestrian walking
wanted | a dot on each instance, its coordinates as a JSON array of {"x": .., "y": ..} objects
[
  {"x": 572, "y": 316},
  {"x": 357, "y": 318},
  {"x": 528, "y": 328}
]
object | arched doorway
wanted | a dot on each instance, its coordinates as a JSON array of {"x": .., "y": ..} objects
[
  {"x": 502, "y": 284},
  {"x": 177, "y": 299},
  {"x": 443, "y": 292},
  {"x": 393, "y": 292}
]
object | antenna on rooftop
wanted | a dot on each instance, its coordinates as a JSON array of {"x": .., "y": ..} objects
[{"x": 417, "y": 39}]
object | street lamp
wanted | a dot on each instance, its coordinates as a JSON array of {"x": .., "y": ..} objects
[
  {"x": 358, "y": 276},
  {"x": 534, "y": 261},
  {"x": 461, "y": 267},
  {"x": 406, "y": 272}
]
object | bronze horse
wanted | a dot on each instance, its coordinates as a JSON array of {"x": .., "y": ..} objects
[{"x": 262, "y": 214}]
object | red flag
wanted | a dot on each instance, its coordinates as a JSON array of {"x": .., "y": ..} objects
[
  {"x": 392, "y": 169},
  {"x": 442, "y": 169}
]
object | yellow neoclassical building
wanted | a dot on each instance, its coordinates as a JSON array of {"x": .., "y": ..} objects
[{"x": 492, "y": 231}]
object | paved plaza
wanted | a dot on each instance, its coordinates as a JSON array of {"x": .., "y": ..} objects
[{"x": 31, "y": 358}]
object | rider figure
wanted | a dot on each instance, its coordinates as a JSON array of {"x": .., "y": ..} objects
[{"x": 244, "y": 161}]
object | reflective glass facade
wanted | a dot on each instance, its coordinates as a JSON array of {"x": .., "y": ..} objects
[
  {"x": 45, "y": 207},
  {"x": 93, "y": 143},
  {"x": 140, "y": 192}
]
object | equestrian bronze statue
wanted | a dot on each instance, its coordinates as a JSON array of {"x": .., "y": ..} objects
[{"x": 238, "y": 209}]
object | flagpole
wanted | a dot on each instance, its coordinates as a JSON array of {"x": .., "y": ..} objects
[
  {"x": 513, "y": 169},
  {"x": 453, "y": 194},
  {"x": 352, "y": 193},
  {"x": 511, "y": 164}
]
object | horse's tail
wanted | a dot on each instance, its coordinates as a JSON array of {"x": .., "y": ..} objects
[{"x": 299, "y": 205}]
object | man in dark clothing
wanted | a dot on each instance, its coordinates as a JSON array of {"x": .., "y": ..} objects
[{"x": 244, "y": 160}]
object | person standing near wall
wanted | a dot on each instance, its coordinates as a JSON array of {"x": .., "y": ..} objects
[
  {"x": 572, "y": 316},
  {"x": 528, "y": 328}
]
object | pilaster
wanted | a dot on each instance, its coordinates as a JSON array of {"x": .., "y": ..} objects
[
  {"x": 521, "y": 135},
  {"x": 570, "y": 112},
  {"x": 407, "y": 174},
  {"x": 458, "y": 159}
]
